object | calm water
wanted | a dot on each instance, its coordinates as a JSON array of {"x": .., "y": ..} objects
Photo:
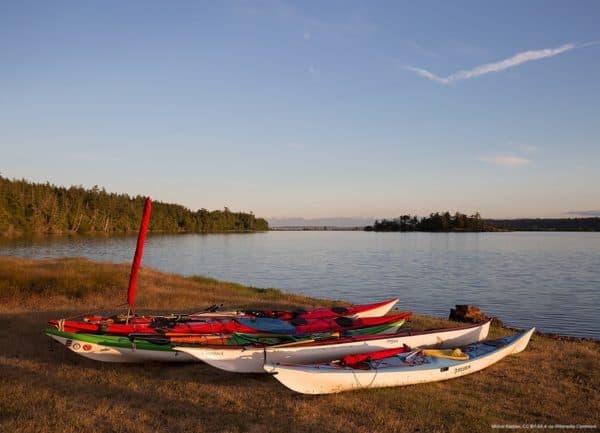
[{"x": 550, "y": 280}]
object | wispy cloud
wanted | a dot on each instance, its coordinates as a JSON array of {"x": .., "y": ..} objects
[
  {"x": 504, "y": 160},
  {"x": 511, "y": 62},
  {"x": 314, "y": 72},
  {"x": 584, "y": 213}
]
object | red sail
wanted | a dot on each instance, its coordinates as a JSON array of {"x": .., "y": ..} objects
[{"x": 139, "y": 250}]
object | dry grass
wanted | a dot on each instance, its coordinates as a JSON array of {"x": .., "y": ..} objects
[
  {"x": 75, "y": 283},
  {"x": 45, "y": 388}
]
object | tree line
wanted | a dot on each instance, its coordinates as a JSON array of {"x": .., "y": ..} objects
[
  {"x": 459, "y": 222},
  {"x": 435, "y": 222},
  {"x": 548, "y": 224},
  {"x": 27, "y": 207}
]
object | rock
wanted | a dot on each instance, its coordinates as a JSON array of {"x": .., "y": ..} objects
[
  {"x": 467, "y": 313},
  {"x": 497, "y": 322}
]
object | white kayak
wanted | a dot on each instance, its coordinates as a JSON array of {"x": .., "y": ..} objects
[
  {"x": 402, "y": 369},
  {"x": 251, "y": 359},
  {"x": 109, "y": 348}
]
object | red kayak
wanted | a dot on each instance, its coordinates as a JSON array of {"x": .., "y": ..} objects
[
  {"x": 226, "y": 326},
  {"x": 354, "y": 311},
  {"x": 313, "y": 326},
  {"x": 148, "y": 325},
  {"x": 213, "y": 322}
]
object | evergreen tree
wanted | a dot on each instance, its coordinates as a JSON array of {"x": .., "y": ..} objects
[{"x": 43, "y": 208}]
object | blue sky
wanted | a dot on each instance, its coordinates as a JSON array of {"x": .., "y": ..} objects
[{"x": 310, "y": 109}]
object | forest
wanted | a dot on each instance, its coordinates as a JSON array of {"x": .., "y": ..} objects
[
  {"x": 435, "y": 222},
  {"x": 27, "y": 207},
  {"x": 458, "y": 222},
  {"x": 548, "y": 224}
]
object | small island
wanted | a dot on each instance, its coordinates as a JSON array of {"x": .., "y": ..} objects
[{"x": 459, "y": 222}]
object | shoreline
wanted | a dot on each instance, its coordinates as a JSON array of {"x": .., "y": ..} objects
[
  {"x": 37, "y": 235},
  {"x": 131, "y": 233},
  {"x": 313, "y": 301}
]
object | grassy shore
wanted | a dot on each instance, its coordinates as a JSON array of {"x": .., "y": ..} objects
[{"x": 46, "y": 388}]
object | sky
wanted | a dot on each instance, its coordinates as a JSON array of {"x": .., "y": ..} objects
[{"x": 309, "y": 109}]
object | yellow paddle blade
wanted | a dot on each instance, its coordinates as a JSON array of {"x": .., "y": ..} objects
[{"x": 456, "y": 354}]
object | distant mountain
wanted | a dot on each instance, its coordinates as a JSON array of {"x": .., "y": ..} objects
[
  {"x": 585, "y": 213},
  {"x": 318, "y": 222}
]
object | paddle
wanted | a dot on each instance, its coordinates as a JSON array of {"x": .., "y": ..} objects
[{"x": 137, "y": 258}]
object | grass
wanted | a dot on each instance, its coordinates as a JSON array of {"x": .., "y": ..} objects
[
  {"x": 72, "y": 283},
  {"x": 46, "y": 388}
]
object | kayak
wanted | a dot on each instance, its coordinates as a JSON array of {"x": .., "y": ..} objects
[
  {"x": 226, "y": 322},
  {"x": 405, "y": 367},
  {"x": 158, "y": 347},
  {"x": 311, "y": 326},
  {"x": 249, "y": 359},
  {"x": 244, "y": 339},
  {"x": 151, "y": 326},
  {"x": 354, "y": 311},
  {"x": 109, "y": 348},
  {"x": 227, "y": 326}
]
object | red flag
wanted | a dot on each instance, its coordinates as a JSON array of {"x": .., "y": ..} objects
[{"x": 139, "y": 250}]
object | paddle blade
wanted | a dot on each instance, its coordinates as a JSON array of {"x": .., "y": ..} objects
[{"x": 139, "y": 250}]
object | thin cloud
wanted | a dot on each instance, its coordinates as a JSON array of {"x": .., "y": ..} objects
[
  {"x": 584, "y": 213},
  {"x": 510, "y": 161},
  {"x": 511, "y": 62}
]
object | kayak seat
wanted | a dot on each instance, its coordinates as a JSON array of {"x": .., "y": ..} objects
[
  {"x": 344, "y": 321},
  {"x": 161, "y": 322},
  {"x": 298, "y": 321}
]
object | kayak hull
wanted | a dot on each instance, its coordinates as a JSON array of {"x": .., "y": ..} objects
[
  {"x": 116, "y": 349},
  {"x": 246, "y": 359},
  {"x": 328, "y": 378}
]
